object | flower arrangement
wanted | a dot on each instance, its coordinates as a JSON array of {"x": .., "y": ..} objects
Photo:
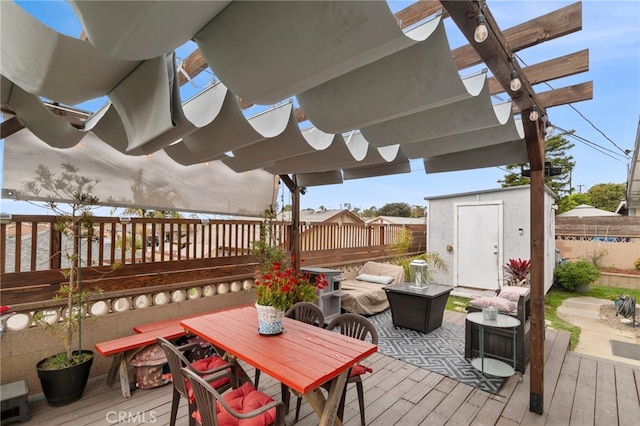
[
  {"x": 517, "y": 272},
  {"x": 281, "y": 286}
]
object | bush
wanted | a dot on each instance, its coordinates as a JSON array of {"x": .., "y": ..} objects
[
  {"x": 637, "y": 265},
  {"x": 572, "y": 274}
]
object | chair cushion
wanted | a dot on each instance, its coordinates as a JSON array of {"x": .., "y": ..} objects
[
  {"x": 243, "y": 400},
  {"x": 359, "y": 370},
  {"x": 205, "y": 364}
]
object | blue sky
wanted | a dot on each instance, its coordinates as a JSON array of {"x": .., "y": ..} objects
[{"x": 606, "y": 125}]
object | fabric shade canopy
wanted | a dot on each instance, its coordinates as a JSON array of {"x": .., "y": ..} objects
[{"x": 374, "y": 96}]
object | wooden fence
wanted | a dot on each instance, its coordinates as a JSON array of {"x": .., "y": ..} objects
[{"x": 171, "y": 252}]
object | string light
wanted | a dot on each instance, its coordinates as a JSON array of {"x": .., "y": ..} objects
[
  {"x": 515, "y": 84},
  {"x": 481, "y": 33},
  {"x": 533, "y": 115}
]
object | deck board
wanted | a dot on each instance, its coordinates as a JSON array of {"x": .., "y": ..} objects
[{"x": 579, "y": 390}]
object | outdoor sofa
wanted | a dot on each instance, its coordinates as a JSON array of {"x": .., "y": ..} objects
[{"x": 363, "y": 292}]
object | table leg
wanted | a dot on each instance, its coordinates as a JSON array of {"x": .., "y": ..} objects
[
  {"x": 124, "y": 379},
  {"x": 328, "y": 409},
  {"x": 242, "y": 375}
]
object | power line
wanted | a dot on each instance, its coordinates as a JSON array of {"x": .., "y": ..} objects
[{"x": 580, "y": 114}]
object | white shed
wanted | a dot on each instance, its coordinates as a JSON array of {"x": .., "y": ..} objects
[{"x": 477, "y": 233}]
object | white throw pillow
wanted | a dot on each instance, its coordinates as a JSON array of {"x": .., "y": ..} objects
[
  {"x": 378, "y": 279},
  {"x": 499, "y": 303},
  {"x": 513, "y": 293}
]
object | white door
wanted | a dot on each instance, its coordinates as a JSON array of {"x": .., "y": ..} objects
[{"x": 478, "y": 234}]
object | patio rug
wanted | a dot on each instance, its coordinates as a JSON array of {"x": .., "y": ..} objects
[
  {"x": 440, "y": 351},
  {"x": 625, "y": 350}
]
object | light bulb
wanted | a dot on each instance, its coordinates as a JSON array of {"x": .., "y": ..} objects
[
  {"x": 533, "y": 115},
  {"x": 481, "y": 33},
  {"x": 515, "y": 84}
]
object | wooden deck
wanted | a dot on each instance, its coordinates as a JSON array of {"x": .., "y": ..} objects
[{"x": 579, "y": 390}]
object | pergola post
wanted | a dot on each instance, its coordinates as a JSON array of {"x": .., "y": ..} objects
[{"x": 535, "y": 146}]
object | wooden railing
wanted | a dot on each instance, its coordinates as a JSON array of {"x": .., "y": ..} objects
[{"x": 170, "y": 252}]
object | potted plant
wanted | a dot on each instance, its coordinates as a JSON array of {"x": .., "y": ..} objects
[
  {"x": 576, "y": 276},
  {"x": 64, "y": 375},
  {"x": 278, "y": 284},
  {"x": 517, "y": 272}
]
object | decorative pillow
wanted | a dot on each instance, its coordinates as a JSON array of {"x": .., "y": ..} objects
[
  {"x": 499, "y": 303},
  {"x": 513, "y": 293},
  {"x": 378, "y": 279}
]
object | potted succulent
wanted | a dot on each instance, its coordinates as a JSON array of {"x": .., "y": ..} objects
[
  {"x": 64, "y": 375},
  {"x": 577, "y": 275}
]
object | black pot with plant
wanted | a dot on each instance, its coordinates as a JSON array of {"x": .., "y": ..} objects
[
  {"x": 64, "y": 375},
  {"x": 577, "y": 275}
]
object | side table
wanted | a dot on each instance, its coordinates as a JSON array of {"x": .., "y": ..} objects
[
  {"x": 491, "y": 366},
  {"x": 417, "y": 308}
]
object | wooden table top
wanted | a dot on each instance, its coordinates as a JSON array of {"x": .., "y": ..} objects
[{"x": 302, "y": 357}]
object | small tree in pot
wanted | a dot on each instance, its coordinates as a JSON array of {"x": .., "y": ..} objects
[
  {"x": 64, "y": 375},
  {"x": 576, "y": 276}
]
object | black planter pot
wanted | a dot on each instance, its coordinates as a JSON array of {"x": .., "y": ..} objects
[{"x": 66, "y": 385}]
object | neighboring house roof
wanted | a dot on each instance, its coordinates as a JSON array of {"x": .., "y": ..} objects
[
  {"x": 335, "y": 215},
  {"x": 397, "y": 220},
  {"x": 585, "y": 210}
]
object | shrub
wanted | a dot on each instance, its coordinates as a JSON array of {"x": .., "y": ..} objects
[
  {"x": 637, "y": 264},
  {"x": 572, "y": 274}
]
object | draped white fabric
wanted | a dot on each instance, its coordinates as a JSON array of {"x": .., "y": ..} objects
[{"x": 374, "y": 96}]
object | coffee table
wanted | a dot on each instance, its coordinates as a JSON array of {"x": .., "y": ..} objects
[{"x": 417, "y": 308}]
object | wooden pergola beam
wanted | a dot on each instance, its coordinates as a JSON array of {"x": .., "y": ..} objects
[
  {"x": 547, "y": 27},
  {"x": 566, "y": 95},
  {"x": 10, "y": 126},
  {"x": 552, "y": 69}
]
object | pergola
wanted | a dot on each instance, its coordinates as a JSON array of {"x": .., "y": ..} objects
[{"x": 377, "y": 90}]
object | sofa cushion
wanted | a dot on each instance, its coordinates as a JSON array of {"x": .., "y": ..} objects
[{"x": 378, "y": 279}]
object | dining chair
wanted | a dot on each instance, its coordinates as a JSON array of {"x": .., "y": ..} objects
[
  {"x": 358, "y": 327},
  {"x": 202, "y": 367},
  {"x": 304, "y": 312},
  {"x": 238, "y": 405}
]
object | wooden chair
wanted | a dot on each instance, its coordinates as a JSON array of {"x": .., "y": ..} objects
[
  {"x": 177, "y": 361},
  {"x": 358, "y": 327},
  {"x": 215, "y": 409}
]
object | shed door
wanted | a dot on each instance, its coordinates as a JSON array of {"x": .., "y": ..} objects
[{"x": 478, "y": 237}]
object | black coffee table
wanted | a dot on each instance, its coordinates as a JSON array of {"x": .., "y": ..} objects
[{"x": 417, "y": 308}]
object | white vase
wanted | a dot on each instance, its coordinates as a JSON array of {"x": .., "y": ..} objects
[{"x": 270, "y": 320}]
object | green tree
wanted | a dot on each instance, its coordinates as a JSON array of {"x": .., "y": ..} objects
[
  {"x": 556, "y": 152},
  {"x": 572, "y": 201},
  {"x": 417, "y": 211},
  {"x": 371, "y": 212},
  {"x": 607, "y": 196},
  {"x": 395, "y": 209}
]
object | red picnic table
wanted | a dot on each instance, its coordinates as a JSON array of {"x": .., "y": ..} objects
[{"x": 302, "y": 357}]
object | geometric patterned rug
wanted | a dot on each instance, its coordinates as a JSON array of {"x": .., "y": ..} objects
[{"x": 440, "y": 351}]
